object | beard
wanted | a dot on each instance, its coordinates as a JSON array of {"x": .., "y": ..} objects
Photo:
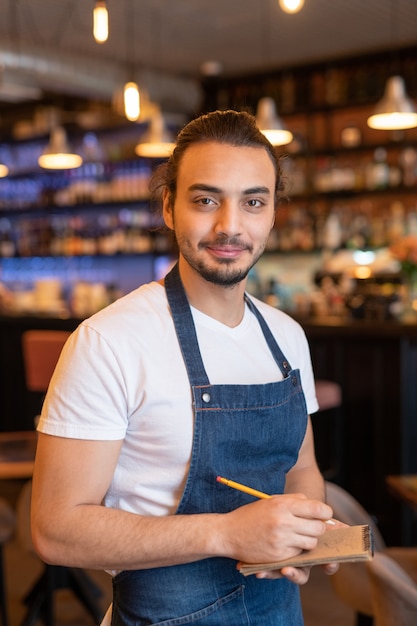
[{"x": 224, "y": 272}]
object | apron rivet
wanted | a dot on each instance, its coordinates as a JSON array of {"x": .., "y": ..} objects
[
  {"x": 294, "y": 380},
  {"x": 206, "y": 397}
]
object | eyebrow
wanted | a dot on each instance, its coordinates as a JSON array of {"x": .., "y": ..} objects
[{"x": 212, "y": 189}]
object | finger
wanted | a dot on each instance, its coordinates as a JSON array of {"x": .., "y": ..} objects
[
  {"x": 270, "y": 574},
  {"x": 297, "y": 575},
  {"x": 330, "y": 568}
]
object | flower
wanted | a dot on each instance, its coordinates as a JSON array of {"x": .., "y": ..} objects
[{"x": 404, "y": 250}]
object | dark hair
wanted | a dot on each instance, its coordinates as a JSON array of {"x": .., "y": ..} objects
[{"x": 236, "y": 128}]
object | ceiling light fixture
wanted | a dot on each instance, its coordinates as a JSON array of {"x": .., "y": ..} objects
[
  {"x": 4, "y": 170},
  {"x": 157, "y": 142},
  {"x": 57, "y": 156},
  {"x": 270, "y": 124},
  {"x": 395, "y": 111},
  {"x": 291, "y": 6},
  {"x": 100, "y": 21}
]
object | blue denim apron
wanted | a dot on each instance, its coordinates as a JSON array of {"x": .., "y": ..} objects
[{"x": 248, "y": 433}]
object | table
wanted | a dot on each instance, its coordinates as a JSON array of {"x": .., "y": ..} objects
[
  {"x": 17, "y": 454},
  {"x": 404, "y": 487}
]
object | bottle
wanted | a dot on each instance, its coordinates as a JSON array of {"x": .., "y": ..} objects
[{"x": 272, "y": 296}]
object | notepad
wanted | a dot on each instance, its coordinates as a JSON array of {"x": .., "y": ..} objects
[{"x": 341, "y": 545}]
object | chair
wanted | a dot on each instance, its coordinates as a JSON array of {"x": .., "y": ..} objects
[
  {"x": 7, "y": 530},
  {"x": 41, "y": 350},
  {"x": 329, "y": 394},
  {"x": 106, "y": 621},
  {"x": 393, "y": 592},
  {"x": 351, "y": 583}
]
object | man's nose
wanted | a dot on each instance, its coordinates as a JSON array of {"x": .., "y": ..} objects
[{"x": 229, "y": 219}]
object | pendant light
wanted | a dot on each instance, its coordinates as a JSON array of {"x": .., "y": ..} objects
[
  {"x": 157, "y": 142},
  {"x": 100, "y": 21},
  {"x": 395, "y": 111},
  {"x": 291, "y": 6},
  {"x": 4, "y": 170},
  {"x": 131, "y": 99},
  {"x": 270, "y": 124},
  {"x": 131, "y": 96},
  {"x": 57, "y": 155}
]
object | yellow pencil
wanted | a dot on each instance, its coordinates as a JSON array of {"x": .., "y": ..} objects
[
  {"x": 253, "y": 492},
  {"x": 239, "y": 487}
]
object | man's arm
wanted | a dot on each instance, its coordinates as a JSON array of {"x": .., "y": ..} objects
[{"x": 71, "y": 527}]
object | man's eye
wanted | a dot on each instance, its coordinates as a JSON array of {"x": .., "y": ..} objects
[
  {"x": 205, "y": 201},
  {"x": 254, "y": 203}
]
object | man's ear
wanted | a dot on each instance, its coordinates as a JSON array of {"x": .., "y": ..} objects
[{"x": 167, "y": 210}]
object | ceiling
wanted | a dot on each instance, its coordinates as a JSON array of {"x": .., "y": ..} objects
[{"x": 48, "y": 44}]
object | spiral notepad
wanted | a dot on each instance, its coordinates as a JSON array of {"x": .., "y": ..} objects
[{"x": 341, "y": 545}]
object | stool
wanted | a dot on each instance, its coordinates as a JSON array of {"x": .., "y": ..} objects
[
  {"x": 40, "y": 599},
  {"x": 7, "y": 529},
  {"x": 329, "y": 394},
  {"x": 328, "y": 430}
]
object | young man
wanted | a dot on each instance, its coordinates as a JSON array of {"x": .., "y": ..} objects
[{"x": 177, "y": 383}]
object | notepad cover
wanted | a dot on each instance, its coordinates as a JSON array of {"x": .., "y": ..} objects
[{"x": 348, "y": 544}]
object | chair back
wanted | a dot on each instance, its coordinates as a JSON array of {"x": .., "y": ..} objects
[
  {"x": 347, "y": 509},
  {"x": 41, "y": 350},
  {"x": 106, "y": 621},
  {"x": 393, "y": 592}
]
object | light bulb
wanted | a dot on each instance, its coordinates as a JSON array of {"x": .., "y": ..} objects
[
  {"x": 291, "y": 6},
  {"x": 4, "y": 170},
  {"x": 132, "y": 101},
  {"x": 100, "y": 21}
]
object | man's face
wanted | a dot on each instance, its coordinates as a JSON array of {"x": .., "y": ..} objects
[{"x": 224, "y": 209}]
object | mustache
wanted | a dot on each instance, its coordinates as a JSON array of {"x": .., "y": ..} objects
[{"x": 225, "y": 240}]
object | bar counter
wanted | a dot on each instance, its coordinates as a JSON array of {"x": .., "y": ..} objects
[{"x": 375, "y": 364}]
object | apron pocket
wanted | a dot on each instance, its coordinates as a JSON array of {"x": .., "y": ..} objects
[{"x": 228, "y": 610}]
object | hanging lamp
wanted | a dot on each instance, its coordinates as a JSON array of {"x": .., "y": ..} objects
[
  {"x": 131, "y": 99},
  {"x": 131, "y": 95},
  {"x": 270, "y": 123},
  {"x": 395, "y": 111},
  {"x": 100, "y": 21},
  {"x": 157, "y": 141},
  {"x": 291, "y": 6},
  {"x": 57, "y": 155}
]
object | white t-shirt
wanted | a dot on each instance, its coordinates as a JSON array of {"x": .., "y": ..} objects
[{"x": 121, "y": 375}]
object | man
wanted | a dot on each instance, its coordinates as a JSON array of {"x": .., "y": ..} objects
[{"x": 177, "y": 383}]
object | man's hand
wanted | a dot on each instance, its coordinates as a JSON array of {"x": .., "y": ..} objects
[
  {"x": 273, "y": 529},
  {"x": 300, "y": 575}
]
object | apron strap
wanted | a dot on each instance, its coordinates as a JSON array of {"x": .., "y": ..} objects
[
  {"x": 187, "y": 336},
  {"x": 185, "y": 328},
  {"x": 278, "y": 355}
]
